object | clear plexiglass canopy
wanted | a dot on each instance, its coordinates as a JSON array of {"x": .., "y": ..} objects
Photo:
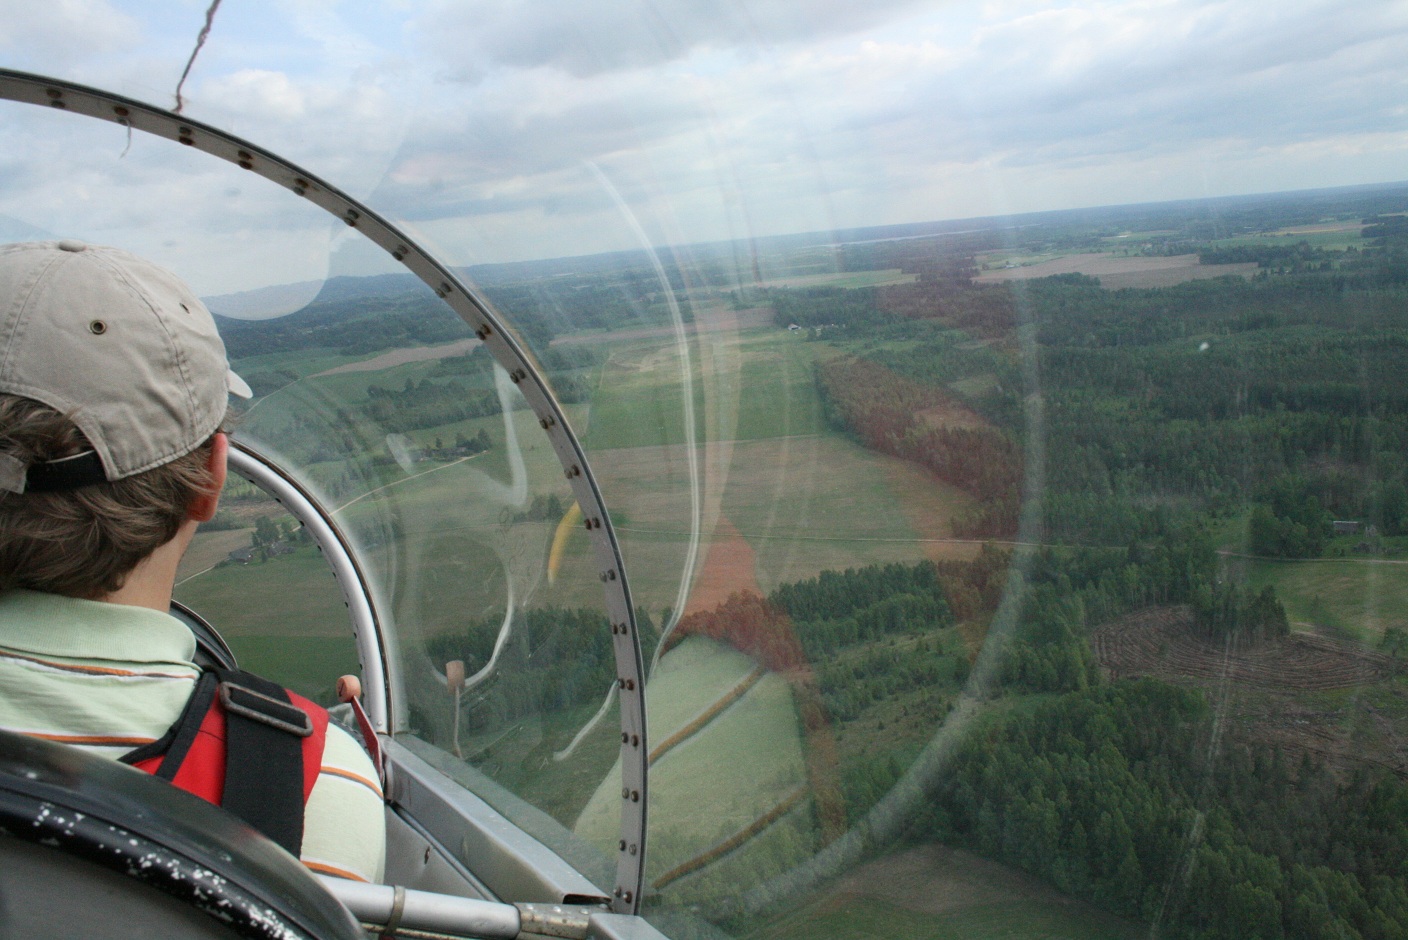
[{"x": 998, "y": 411}]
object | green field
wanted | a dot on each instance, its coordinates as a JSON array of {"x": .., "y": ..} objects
[
  {"x": 1357, "y": 598},
  {"x": 1003, "y": 258},
  {"x": 732, "y": 771},
  {"x": 1014, "y": 918},
  {"x": 302, "y": 362},
  {"x": 1334, "y": 239},
  {"x": 751, "y": 387},
  {"x": 690, "y": 678},
  {"x": 283, "y": 618},
  {"x": 847, "y": 279},
  {"x": 310, "y": 665},
  {"x": 806, "y": 497},
  {"x": 777, "y": 394},
  {"x": 932, "y": 892},
  {"x": 522, "y": 760},
  {"x": 804, "y": 504}
]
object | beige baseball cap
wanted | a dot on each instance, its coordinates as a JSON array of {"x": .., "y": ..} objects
[{"x": 118, "y": 344}]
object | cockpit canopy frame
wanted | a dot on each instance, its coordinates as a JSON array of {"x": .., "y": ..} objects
[{"x": 491, "y": 329}]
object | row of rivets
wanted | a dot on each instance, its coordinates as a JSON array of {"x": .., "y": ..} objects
[
  {"x": 608, "y": 575},
  {"x": 628, "y": 794},
  {"x": 483, "y": 332},
  {"x": 574, "y": 471},
  {"x": 185, "y": 137},
  {"x": 246, "y": 160},
  {"x": 632, "y": 739},
  {"x": 593, "y": 523},
  {"x": 628, "y": 684},
  {"x": 546, "y": 424},
  {"x": 517, "y": 375},
  {"x": 56, "y": 98},
  {"x": 351, "y": 217},
  {"x": 619, "y": 628},
  {"x": 623, "y": 895}
]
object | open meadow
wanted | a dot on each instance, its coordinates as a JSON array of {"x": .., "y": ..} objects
[
  {"x": 283, "y": 618},
  {"x": 739, "y": 726},
  {"x": 803, "y": 496},
  {"x": 1335, "y": 235},
  {"x": 1116, "y": 271},
  {"x": 528, "y": 758},
  {"x": 848, "y": 279},
  {"x": 747, "y": 386},
  {"x": 932, "y": 892},
  {"x": 1356, "y": 598}
]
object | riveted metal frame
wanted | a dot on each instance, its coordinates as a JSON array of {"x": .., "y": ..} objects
[{"x": 508, "y": 352}]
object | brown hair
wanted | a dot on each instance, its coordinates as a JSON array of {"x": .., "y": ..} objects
[{"x": 84, "y": 542}]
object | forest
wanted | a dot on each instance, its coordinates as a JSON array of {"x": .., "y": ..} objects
[
  {"x": 1282, "y": 396},
  {"x": 1119, "y": 792},
  {"x": 1182, "y": 427},
  {"x": 1109, "y": 794}
]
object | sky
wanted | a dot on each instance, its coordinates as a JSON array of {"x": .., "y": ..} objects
[{"x": 505, "y": 129}]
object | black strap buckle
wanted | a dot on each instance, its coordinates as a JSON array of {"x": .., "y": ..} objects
[{"x": 247, "y": 703}]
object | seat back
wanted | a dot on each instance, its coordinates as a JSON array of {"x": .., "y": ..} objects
[{"x": 89, "y": 848}]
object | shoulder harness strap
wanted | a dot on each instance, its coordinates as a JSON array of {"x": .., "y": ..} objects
[
  {"x": 264, "y": 734},
  {"x": 248, "y": 745}
]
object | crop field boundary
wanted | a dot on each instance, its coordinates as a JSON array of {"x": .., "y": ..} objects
[
  {"x": 708, "y": 715},
  {"x": 734, "y": 841}
]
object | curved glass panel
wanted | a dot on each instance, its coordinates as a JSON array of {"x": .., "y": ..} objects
[
  {"x": 423, "y": 451},
  {"x": 1004, "y": 567}
]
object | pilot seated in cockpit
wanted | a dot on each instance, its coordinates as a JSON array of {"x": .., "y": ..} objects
[{"x": 113, "y": 390}]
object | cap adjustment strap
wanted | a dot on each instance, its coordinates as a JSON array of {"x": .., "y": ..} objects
[{"x": 66, "y": 473}]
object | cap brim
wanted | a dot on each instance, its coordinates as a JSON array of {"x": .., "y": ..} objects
[{"x": 238, "y": 386}]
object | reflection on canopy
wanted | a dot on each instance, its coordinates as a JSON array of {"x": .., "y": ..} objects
[{"x": 946, "y": 553}]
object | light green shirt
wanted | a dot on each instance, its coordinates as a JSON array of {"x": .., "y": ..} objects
[{"x": 110, "y": 677}]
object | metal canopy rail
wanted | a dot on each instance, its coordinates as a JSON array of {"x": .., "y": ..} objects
[{"x": 28, "y": 88}]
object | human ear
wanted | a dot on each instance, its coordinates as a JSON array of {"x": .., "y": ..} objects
[{"x": 202, "y": 508}]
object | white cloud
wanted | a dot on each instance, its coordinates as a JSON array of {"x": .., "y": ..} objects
[
  {"x": 61, "y": 32},
  {"x": 474, "y": 37},
  {"x": 222, "y": 228},
  {"x": 934, "y": 113},
  {"x": 722, "y": 120},
  {"x": 270, "y": 96}
]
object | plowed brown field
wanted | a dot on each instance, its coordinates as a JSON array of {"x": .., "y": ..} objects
[
  {"x": 1161, "y": 642},
  {"x": 1328, "y": 698},
  {"x": 1117, "y": 271}
]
